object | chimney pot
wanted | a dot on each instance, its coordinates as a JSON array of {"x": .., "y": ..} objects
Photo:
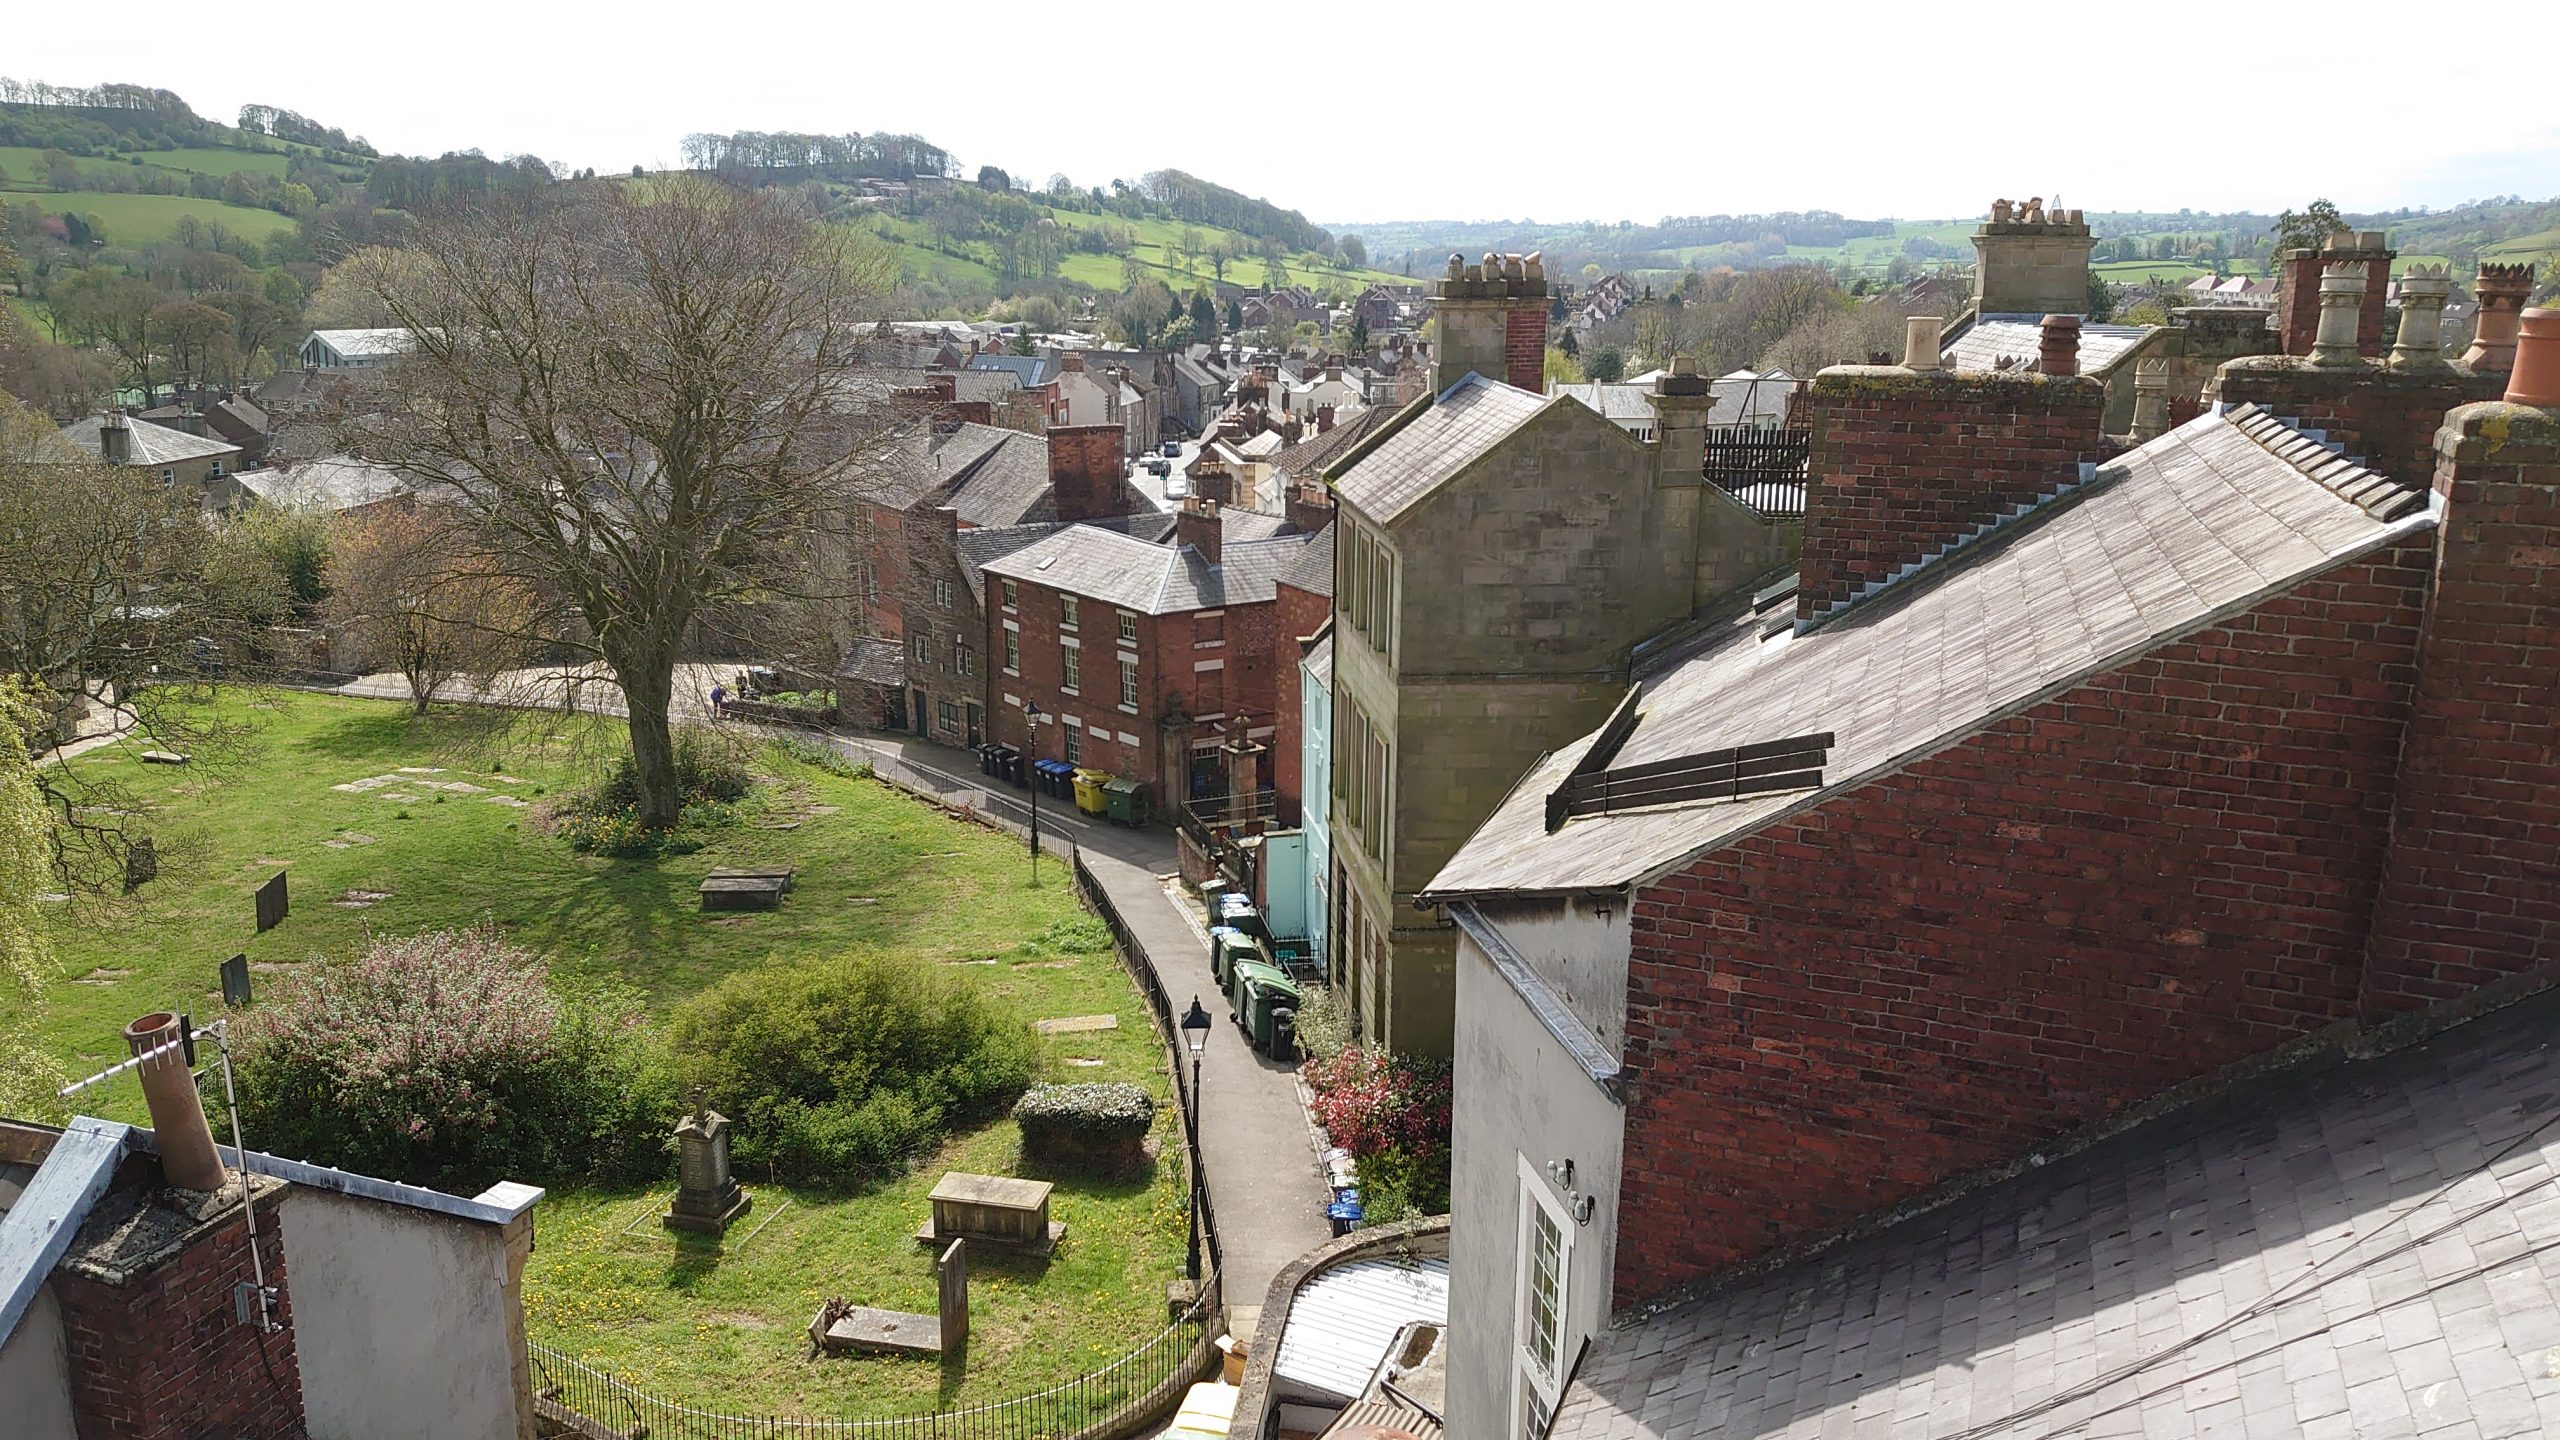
[
  {"x": 2423, "y": 291},
  {"x": 2342, "y": 288},
  {"x": 2150, "y": 399},
  {"x": 1920, "y": 341},
  {"x": 178, "y": 1129},
  {"x": 2536, "y": 377},
  {"x": 2501, "y": 290},
  {"x": 2058, "y": 346}
]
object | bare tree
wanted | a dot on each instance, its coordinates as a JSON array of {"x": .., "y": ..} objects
[
  {"x": 643, "y": 398},
  {"x": 409, "y": 588}
]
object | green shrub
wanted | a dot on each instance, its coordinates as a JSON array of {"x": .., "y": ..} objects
[
  {"x": 1323, "y": 1026},
  {"x": 1400, "y": 1184},
  {"x": 448, "y": 1059},
  {"x": 707, "y": 766},
  {"x": 606, "y": 820},
  {"x": 1085, "y": 1127},
  {"x": 845, "y": 1069}
]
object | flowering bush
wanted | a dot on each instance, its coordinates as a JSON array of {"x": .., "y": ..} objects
[
  {"x": 1370, "y": 1101},
  {"x": 843, "y": 1069},
  {"x": 447, "y": 1059}
]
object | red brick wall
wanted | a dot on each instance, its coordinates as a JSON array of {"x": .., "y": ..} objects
[
  {"x": 2473, "y": 892},
  {"x": 2389, "y": 418},
  {"x": 1903, "y": 462},
  {"x": 2298, "y": 298},
  {"x": 1086, "y": 465},
  {"x": 2135, "y": 883},
  {"x": 1296, "y": 614},
  {"x": 163, "y": 1357},
  {"x": 1524, "y": 347}
]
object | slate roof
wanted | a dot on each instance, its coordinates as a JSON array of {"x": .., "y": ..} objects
[
  {"x": 979, "y": 544},
  {"x": 339, "y": 482},
  {"x": 1616, "y": 403},
  {"x": 1312, "y": 571},
  {"x": 1028, "y": 370},
  {"x": 1118, "y": 569},
  {"x": 1310, "y": 456},
  {"x": 1986, "y": 340},
  {"x": 1319, "y": 659},
  {"x": 151, "y": 444},
  {"x": 2345, "y": 1250},
  {"x": 2202, "y": 521},
  {"x": 1465, "y": 422}
]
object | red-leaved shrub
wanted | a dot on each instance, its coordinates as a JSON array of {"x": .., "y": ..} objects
[{"x": 1370, "y": 1101}]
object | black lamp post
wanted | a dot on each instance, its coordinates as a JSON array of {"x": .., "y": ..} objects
[
  {"x": 1195, "y": 1033},
  {"x": 1031, "y": 718}
]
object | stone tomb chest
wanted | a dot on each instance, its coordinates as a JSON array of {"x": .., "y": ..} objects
[{"x": 996, "y": 1210}]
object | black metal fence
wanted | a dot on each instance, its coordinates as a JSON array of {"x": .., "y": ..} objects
[
  {"x": 1121, "y": 1398},
  {"x": 1763, "y": 466},
  {"x": 1133, "y": 954}
]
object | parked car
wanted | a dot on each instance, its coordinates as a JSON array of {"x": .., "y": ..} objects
[
  {"x": 1158, "y": 465},
  {"x": 1172, "y": 448}
]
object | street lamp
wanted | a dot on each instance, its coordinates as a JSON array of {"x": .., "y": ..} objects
[
  {"x": 1195, "y": 1034},
  {"x": 1032, "y": 715}
]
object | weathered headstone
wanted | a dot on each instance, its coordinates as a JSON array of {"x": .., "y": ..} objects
[
  {"x": 707, "y": 1199},
  {"x": 235, "y": 980},
  {"x": 953, "y": 1277},
  {"x": 272, "y": 904},
  {"x": 999, "y": 1210},
  {"x": 141, "y": 863}
]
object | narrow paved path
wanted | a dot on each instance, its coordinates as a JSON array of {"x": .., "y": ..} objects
[{"x": 1265, "y": 1186}]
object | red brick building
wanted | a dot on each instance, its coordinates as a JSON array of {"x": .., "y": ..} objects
[
  {"x": 1151, "y": 657},
  {"x": 2063, "y": 784}
]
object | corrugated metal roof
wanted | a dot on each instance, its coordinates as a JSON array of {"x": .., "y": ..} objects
[
  {"x": 392, "y": 340},
  {"x": 1460, "y": 427},
  {"x": 1344, "y": 1319}
]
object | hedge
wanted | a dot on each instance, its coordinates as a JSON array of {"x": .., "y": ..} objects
[{"x": 1099, "y": 1127}]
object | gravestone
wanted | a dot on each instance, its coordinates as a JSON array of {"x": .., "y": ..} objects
[
  {"x": 235, "y": 980},
  {"x": 843, "y": 1327},
  {"x": 141, "y": 864},
  {"x": 999, "y": 1210},
  {"x": 272, "y": 904},
  {"x": 707, "y": 1199}
]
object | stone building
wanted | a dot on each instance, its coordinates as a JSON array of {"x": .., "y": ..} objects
[
  {"x": 202, "y": 467},
  {"x": 2062, "y": 784},
  {"x": 2030, "y": 263},
  {"x": 1498, "y": 556}
]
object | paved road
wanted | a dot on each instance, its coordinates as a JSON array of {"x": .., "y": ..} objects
[{"x": 1257, "y": 1157}]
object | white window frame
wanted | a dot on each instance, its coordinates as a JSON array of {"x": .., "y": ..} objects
[
  {"x": 1012, "y": 594},
  {"x": 1129, "y": 684},
  {"x": 941, "y": 593},
  {"x": 1070, "y": 612},
  {"x": 1012, "y": 649},
  {"x": 1128, "y": 628},
  {"x": 1527, "y": 1380},
  {"x": 1070, "y": 665}
]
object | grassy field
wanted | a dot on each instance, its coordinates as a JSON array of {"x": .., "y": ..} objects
[
  {"x": 141, "y": 219},
  {"x": 878, "y": 871},
  {"x": 208, "y": 161},
  {"x": 1156, "y": 240}
]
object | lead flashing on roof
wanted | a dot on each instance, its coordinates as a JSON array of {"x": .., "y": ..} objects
[{"x": 1584, "y": 1047}]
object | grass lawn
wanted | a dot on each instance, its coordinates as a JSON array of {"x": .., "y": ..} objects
[{"x": 878, "y": 870}]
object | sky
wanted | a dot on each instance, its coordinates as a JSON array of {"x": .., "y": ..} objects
[{"x": 1405, "y": 111}]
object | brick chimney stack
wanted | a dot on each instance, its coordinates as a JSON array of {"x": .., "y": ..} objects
[
  {"x": 115, "y": 438},
  {"x": 1086, "y": 468},
  {"x": 1904, "y": 462},
  {"x": 2300, "y": 271},
  {"x": 2468, "y": 888},
  {"x": 2058, "y": 346},
  {"x": 1310, "y": 506},
  {"x": 2501, "y": 290},
  {"x": 1324, "y": 419},
  {"x": 2031, "y": 261},
  {"x": 1493, "y": 321},
  {"x": 1196, "y": 526}
]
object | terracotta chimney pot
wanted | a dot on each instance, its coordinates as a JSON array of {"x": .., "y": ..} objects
[
  {"x": 2536, "y": 377},
  {"x": 2059, "y": 346},
  {"x": 185, "y": 1142}
]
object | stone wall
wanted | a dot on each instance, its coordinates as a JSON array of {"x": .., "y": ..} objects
[
  {"x": 2161, "y": 872},
  {"x": 1905, "y": 461}
]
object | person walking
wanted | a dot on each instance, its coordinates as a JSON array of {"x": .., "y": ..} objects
[{"x": 719, "y": 701}]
